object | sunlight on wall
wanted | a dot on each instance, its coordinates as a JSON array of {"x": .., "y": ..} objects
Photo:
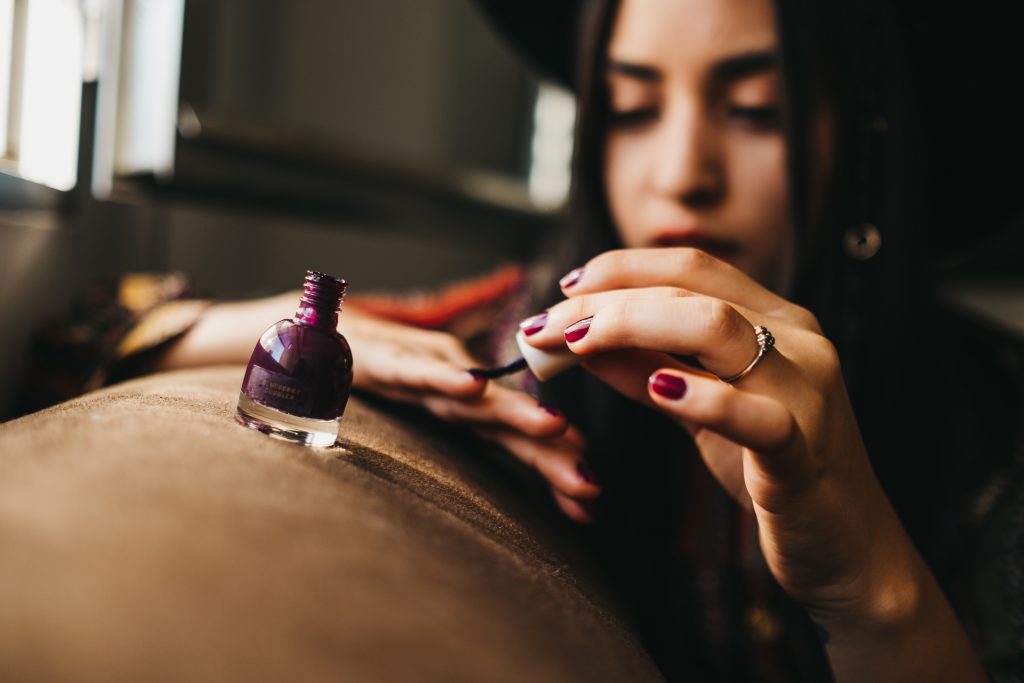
[
  {"x": 6, "y": 28},
  {"x": 52, "y": 95},
  {"x": 149, "y": 89}
]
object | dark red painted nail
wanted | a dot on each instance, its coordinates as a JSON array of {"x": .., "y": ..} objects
[
  {"x": 534, "y": 324},
  {"x": 571, "y": 278},
  {"x": 578, "y": 330},
  {"x": 586, "y": 474},
  {"x": 669, "y": 386},
  {"x": 550, "y": 411}
]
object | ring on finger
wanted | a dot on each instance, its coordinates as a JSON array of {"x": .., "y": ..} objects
[{"x": 765, "y": 342}]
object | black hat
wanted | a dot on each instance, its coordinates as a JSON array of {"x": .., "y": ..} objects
[{"x": 543, "y": 31}]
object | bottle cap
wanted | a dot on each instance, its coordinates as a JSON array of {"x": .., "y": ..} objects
[
  {"x": 323, "y": 291},
  {"x": 543, "y": 363}
]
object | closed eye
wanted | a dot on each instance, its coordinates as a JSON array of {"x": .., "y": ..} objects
[
  {"x": 768, "y": 117},
  {"x": 628, "y": 118}
]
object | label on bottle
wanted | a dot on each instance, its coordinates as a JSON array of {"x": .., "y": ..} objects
[{"x": 284, "y": 393}]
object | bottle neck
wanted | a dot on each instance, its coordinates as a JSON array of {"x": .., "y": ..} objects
[
  {"x": 316, "y": 316},
  {"x": 321, "y": 300}
]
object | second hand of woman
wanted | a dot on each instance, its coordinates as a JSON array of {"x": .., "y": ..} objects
[
  {"x": 783, "y": 440},
  {"x": 428, "y": 368}
]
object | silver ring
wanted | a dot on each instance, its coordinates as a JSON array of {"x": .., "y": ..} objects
[{"x": 765, "y": 342}]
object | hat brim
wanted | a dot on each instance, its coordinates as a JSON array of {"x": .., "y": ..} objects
[{"x": 543, "y": 32}]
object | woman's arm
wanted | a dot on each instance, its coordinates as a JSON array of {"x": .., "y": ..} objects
[
  {"x": 901, "y": 628},
  {"x": 227, "y": 332}
]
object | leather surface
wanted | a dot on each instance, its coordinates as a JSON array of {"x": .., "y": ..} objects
[{"x": 145, "y": 535}]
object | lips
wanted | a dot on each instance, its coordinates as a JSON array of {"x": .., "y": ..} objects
[{"x": 715, "y": 246}]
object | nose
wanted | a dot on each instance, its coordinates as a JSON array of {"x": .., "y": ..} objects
[{"x": 689, "y": 164}]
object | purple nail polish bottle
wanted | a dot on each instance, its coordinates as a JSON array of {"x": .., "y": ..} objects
[{"x": 300, "y": 373}]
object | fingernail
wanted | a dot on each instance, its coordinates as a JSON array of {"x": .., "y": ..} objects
[
  {"x": 549, "y": 410},
  {"x": 669, "y": 386},
  {"x": 534, "y": 324},
  {"x": 475, "y": 375},
  {"x": 571, "y": 278},
  {"x": 586, "y": 474},
  {"x": 578, "y": 330}
]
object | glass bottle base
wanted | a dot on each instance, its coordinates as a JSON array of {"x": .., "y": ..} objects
[{"x": 280, "y": 425}]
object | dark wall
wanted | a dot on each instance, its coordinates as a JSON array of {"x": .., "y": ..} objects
[{"x": 416, "y": 81}]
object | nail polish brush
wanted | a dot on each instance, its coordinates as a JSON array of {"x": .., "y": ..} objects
[{"x": 543, "y": 363}]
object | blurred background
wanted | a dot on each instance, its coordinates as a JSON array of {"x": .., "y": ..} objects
[
  {"x": 397, "y": 143},
  {"x": 244, "y": 142}
]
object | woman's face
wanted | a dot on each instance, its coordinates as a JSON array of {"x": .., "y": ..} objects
[{"x": 694, "y": 151}]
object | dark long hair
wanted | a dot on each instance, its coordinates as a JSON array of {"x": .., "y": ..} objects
[{"x": 903, "y": 359}]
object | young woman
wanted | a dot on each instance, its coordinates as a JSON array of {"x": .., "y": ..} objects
[
  {"x": 687, "y": 116},
  {"x": 739, "y": 163}
]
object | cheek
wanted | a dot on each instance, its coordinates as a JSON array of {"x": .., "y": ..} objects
[
  {"x": 761, "y": 200},
  {"x": 760, "y": 182},
  {"x": 623, "y": 171}
]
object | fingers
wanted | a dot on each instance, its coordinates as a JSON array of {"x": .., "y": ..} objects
[
  {"x": 718, "y": 335},
  {"x": 387, "y": 365},
  {"x": 759, "y": 423},
  {"x": 500, "y": 406},
  {"x": 684, "y": 267},
  {"x": 627, "y": 370},
  {"x": 538, "y": 436},
  {"x": 431, "y": 372},
  {"x": 576, "y": 510},
  {"x": 559, "y": 461},
  {"x": 545, "y": 330}
]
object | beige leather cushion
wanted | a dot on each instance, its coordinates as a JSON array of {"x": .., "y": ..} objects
[{"x": 145, "y": 535}]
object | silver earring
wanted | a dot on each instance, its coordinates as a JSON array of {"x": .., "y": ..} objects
[{"x": 862, "y": 241}]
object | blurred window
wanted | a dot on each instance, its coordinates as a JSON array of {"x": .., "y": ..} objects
[
  {"x": 362, "y": 79},
  {"x": 41, "y": 89},
  {"x": 6, "y": 50},
  {"x": 147, "y": 93},
  {"x": 51, "y": 93},
  {"x": 554, "y": 118},
  {"x": 49, "y": 48}
]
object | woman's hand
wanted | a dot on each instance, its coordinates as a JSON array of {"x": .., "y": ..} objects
[
  {"x": 782, "y": 440},
  {"x": 429, "y": 368}
]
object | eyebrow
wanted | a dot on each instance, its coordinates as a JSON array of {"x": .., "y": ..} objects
[
  {"x": 630, "y": 70},
  {"x": 743, "y": 65},
  {"x": 729, "y": 69}
]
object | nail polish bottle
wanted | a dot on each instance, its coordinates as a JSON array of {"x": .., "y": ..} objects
[{"x": 300, "y": 373}]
